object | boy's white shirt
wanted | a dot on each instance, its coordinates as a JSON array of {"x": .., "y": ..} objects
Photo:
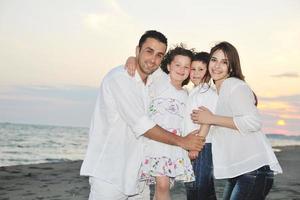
[{"x": 201, "y": 95}]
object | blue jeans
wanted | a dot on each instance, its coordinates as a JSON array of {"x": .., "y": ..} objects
[
  {"x": 203, "y": 187},
  {"x": 253, "y": 185}
]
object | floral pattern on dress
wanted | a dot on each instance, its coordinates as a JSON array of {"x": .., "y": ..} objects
[
  {"x": 177, "y": 170},
  {"x": 167, "y": 111},
  {"x": 162, "y": 106},
  {"x": 159, "y": 108}
]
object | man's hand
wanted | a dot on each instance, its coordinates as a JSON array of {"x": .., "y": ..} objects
[{"x": 193, "y": 141}]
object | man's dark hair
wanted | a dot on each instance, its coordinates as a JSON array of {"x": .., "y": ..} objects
[{"x": 153, "y": 34}]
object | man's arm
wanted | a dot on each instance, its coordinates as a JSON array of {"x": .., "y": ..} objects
[
  {"x": 203, "y": 131},
  {"x": 190, "y": 142},
  {"x": 130, "y": 106}
]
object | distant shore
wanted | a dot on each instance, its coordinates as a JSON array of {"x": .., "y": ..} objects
[{"x": 61, "y": 181}]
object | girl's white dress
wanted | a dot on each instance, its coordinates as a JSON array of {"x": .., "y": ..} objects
[{"x": 166, "y": 108}]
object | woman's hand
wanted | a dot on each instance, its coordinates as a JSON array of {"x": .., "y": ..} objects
[
  {"x": 130, "y": 65},
  {"x": 202, "y": 116}
]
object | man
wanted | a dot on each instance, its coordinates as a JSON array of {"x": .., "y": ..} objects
[{"x": 115, "y": 148}]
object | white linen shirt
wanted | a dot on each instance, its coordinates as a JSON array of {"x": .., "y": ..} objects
[
  {"x": 115, "y": 149},
  {"x": 202, "y": 95},
  {"x": 236, "y": 152}
]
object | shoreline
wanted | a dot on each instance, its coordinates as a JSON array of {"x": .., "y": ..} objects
[{"x": 62, "y": 180}]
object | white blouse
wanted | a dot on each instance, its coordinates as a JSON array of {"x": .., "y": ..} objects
[{"x": 236, "y": 152}]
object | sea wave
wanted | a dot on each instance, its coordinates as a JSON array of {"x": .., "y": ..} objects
[{"x": 31, "y": 144}]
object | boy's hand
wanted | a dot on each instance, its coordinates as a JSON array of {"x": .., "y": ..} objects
[{"x": 193, "y": 154}]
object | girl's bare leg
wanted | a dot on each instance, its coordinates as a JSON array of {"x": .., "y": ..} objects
[{"x": 162, "y": 188}]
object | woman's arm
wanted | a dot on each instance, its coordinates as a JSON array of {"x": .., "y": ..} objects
[
  {"x": 245, "y": 114},
  {"x": 245, "y": 117},
  {"x": 204, "y": 116}
]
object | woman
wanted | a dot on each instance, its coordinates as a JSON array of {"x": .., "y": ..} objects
[{"x": 241, "y": 152}]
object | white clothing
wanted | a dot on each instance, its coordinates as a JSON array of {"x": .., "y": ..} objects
[
  {"x": 236, "y": 152},
  {"x": 115, "y": 149},
  {"x": 166, "y": 109},
  {"x": 202, "y": 95},
  {"x": 103, "y": 190}
]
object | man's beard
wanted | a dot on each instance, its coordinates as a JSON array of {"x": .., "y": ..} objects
[{"x": 142, "y": 69}]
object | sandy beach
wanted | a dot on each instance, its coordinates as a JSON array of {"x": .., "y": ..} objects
[{"x": 61, "y": 181}]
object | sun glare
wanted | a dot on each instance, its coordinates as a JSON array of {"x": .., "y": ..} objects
[{"x": 280, "y": 122}]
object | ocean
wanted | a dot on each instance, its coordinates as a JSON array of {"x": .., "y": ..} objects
[{"x": 22, "y": 144}]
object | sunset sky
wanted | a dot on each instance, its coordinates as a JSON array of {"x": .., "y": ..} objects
[{"x": 54, "y": 53}]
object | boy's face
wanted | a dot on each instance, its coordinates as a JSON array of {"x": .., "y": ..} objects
[{"x": 198, "y": 70}]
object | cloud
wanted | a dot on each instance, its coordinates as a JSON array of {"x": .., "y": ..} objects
[
  {"x": 286, "y": 75},
  {"x": 44, "y": 92},
  {"x": 295, "y": 99},
  {"x": 285, "y": 108},
  {"x": 61, "y": 105},
  {"x": 111, "y": 20}
]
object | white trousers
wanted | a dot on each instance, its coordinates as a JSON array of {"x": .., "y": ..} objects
[{"x": 101, "y": 190}]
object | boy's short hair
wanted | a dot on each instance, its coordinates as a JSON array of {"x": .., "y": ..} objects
[{"x": 201, "y": 56}]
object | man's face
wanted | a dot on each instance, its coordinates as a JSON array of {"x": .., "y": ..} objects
[{"x": 149, "y": 56}]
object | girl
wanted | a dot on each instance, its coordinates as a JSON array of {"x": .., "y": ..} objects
[
  {"x": 241, "y": 152},
  {"x": 201, "y": 95},
  {"x": 163, "y": 164}
]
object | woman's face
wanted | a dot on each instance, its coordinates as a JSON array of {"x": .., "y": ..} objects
[{"x": 218, "y": 67}]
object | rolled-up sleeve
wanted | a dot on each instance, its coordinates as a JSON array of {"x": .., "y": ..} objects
[
  {"x": 143, "y": 125},
  {"x": 245, "y": 114},
  {"x": 130, "y": 105}
]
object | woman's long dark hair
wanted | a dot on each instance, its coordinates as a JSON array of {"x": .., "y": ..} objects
[{"x": 234, "y": 66}]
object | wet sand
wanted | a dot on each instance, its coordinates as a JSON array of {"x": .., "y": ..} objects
[{"x": 61, "y": 181}]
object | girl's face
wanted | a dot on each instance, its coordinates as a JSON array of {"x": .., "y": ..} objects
[
  {"x": 198, "y": 70},
  {"x": 179, "y": 68},
  {"x": 218, "y": 67}
]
